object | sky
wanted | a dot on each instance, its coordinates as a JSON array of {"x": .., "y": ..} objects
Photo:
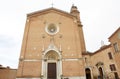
[{"x": 100, "y": 18}]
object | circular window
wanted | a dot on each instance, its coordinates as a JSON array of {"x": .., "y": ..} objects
[{"x": 52, "y": 29}]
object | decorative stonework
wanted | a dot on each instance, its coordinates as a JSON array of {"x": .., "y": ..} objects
[
  {"x": 99, "y": 64},
  {"x": 52, "y": 28}
]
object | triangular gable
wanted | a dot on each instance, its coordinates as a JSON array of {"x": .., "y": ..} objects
[
  {"x": 48, "y": 10},
  {"x": 114, "y": 33}
]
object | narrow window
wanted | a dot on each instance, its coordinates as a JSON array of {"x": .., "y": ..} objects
[
  {"x": 112, "y": 67},
  {"x": 115, "y": 47},
  {"x": 116, "y": 75},
  {"x": 119, "y": 35},
  {"x": 110, "y": 55}
]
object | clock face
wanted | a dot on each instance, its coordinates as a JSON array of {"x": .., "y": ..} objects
[{"x": 52, "y": 29}]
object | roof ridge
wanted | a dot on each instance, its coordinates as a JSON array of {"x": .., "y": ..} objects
[{"x": 51, "y": 8}]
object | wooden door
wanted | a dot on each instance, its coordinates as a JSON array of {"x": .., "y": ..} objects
[{"x": 51, "y": 71}]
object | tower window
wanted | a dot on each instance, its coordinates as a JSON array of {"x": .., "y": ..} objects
[
  {"x": 119, "y": 35},
  {"x": 112, "y": 67},
  {"x": 110, "y": 55},
  {"x": 115, "y": 47}
]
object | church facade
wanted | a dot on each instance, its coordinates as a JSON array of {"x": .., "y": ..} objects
[{"x": 53, "y": 47}]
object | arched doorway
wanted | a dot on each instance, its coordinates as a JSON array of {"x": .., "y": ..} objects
[
  {"x": 51, "y": 66},
  {"x": 100, "y": 73},
  {"x": 88, "y": 73},
  {"x": 52, "y": 60}
]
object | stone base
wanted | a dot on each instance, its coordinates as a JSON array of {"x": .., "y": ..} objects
[
  {"x": 60, "y": 78},
  {"x": 75, "y": 77},
  {"x": 28, "y": 78}
]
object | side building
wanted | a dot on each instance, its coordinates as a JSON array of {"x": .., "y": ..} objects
[
  {"x": 115, "y": 42},
  {"x": 100, "y": 63},
  {"x": 7, "y": 73},
  {"x": 104, "y": 63}
]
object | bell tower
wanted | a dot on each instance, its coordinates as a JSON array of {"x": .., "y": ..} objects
[{"x": 74, "y": 11}]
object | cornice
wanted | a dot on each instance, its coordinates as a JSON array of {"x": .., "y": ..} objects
[
  {"x": 102, "y": 48},
  {"x": 114, "y": 33},
  {"x": 48, "y": 10}
]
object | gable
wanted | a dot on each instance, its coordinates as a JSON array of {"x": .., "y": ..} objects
[
  {"x": 49, "y": 10},
  {"x": 117, "y": 31}
]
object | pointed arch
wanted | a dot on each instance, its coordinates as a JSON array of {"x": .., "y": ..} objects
[
  {"x": 51, "y": 55},
  {"x": 88, "y": 73},
  {"x": 101, "y": 72}
]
